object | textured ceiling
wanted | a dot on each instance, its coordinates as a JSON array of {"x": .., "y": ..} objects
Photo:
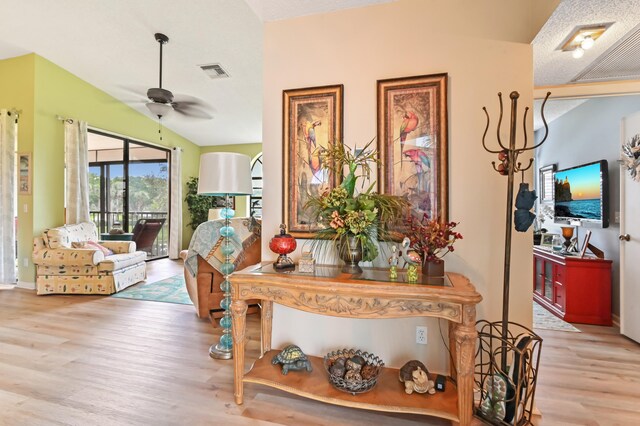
[
  {"x": 554, "y": 67},
  {"x": 553, "y": 109}
]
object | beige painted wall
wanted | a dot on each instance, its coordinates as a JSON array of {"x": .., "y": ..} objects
[{"x": 406, "y": 38}]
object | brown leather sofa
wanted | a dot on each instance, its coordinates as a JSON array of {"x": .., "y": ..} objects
[{"x": 204, "y": 289}]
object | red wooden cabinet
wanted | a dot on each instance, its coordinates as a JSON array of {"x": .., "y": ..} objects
[{"x": 574, "y": 289}]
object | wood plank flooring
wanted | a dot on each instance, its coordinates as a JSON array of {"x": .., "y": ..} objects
[{"x": 95, "y": 360}]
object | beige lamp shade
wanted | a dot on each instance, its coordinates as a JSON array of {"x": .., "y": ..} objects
[{"x": 223, "y": 173}]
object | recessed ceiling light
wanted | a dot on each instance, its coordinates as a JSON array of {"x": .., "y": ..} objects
[
  {"x": 583, "y": 38},
  {"x": 587, "y": 43},
  {"x": 577, "y": 53}
]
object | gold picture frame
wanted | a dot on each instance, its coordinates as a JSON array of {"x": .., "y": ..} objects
[
  {"x": 24, "y": 173},
  {"x": 312, "y": 121},
  {"x": 413, "y": 142}
]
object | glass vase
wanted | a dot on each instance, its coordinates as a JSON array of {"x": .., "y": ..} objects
[{"x": 350, "y": 251}]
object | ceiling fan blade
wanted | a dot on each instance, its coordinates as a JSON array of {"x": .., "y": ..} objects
[{"x": 190, "y": 111}]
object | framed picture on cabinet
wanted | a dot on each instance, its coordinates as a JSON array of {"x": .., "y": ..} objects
[
  {"x": 312, "y": 121},
  {"x": 585, "y": 244},
  {"x": 413, "y": 142},
  {"x": 547, "y": 240}
]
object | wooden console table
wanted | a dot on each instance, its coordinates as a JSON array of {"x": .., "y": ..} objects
[{"x": 330, "y": 292}]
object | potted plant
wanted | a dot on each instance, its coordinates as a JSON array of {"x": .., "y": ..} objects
[
  {"x": 198, "y": 205},
  {"x": 353, "y": 221},
  {"x": 431, "y": 239}
]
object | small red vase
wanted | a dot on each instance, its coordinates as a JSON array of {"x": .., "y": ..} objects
[{"x": 283, "y": 244}]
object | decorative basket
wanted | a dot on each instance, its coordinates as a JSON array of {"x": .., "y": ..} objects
[{"x": 361, "y": 386}]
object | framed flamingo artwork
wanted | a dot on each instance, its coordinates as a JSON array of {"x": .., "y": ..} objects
[
  {"x": 312, "y": 120},
  {"x": 412, "y": 142}
]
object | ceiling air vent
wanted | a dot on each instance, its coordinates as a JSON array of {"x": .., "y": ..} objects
[
  {"x": 620, "y": 62},
  {"x": 214, "y": 71}
]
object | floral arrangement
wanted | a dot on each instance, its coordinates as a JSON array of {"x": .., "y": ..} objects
[
  {"x": 343, "y": 213},
  {"x": 431, "y": 239}
]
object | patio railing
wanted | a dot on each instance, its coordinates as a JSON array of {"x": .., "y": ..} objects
[{"x": 105, "y": 220}]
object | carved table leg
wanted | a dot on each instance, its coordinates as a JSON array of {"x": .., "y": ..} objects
[
  {"x": 239, "y": 316},
  {"x": 465, "y": 336},
  {"x": 453, "y": 367},
  {"x": 266, "y": 318}
]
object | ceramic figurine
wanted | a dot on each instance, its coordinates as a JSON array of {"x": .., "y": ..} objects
[
  {"x": 292, "y": 358},
  {"x": 412, "y": 274},
  {"x": 415, "y": 377},
  {"x": 393, "y": 264}
]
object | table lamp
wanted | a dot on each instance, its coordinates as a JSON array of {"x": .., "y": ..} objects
[
  {"x": 567, "y": 233},
  {"x": 225, "y": 174}
]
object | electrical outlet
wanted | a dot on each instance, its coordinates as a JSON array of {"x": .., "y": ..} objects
[
  {"x": 25, "y": 262},
  {"x": 421, "y": 335}
]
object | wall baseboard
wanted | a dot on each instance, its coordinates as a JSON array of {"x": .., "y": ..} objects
[
  {"x": 615, "y": 319},
  {"x": 26, "y": 285}
]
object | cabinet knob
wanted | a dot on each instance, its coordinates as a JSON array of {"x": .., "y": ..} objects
[{"x": 625, "y": 237}]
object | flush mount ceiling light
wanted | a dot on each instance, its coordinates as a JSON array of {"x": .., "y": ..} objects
[{"x": 582, "y": 38}]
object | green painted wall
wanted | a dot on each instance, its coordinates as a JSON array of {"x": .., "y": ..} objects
[
  {"x": 54, "y": 91},
  {"x": 250, "y": 149},
  {"x": 17, "y": 91}
]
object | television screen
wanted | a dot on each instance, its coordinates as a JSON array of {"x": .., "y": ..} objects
[{"x": 582, "y": 193}]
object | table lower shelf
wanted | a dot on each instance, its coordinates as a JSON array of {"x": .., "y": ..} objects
[{"x": 388, "y": 394}]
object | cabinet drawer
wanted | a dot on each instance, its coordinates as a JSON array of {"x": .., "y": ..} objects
[
  {"x": 559, "y": 275},
  {"x": 559, "y": 299}
]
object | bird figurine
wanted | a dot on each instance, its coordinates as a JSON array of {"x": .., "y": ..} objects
[
  {"x": 409, "y": 124},
  {"x": 411, "y": 257}
]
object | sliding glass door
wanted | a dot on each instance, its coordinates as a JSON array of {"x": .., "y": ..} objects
[{"x": 129, "y": 185}]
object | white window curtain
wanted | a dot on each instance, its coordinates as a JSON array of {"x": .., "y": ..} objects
[
  {"x": 175, "y": 212},
  {"x": 77, "y": 171},
  {"x": 8, "y": 144}
]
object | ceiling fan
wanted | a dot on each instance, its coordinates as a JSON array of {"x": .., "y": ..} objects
[{"x": 161, "y": 101}]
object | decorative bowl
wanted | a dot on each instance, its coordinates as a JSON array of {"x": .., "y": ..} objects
[{"x": 353, "y": 387}]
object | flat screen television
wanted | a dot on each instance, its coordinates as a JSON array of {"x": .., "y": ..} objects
[{"x": 582, "y": 193}]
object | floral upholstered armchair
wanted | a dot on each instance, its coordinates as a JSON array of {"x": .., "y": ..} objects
[{"x": 70, "y": 259}]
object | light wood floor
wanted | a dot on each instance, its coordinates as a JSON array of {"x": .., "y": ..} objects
[{"x": 94, "y": 360}]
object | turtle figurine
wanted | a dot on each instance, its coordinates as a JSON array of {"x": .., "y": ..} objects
[
  {"x": 292, "y": 358},
  {"x": 415, "y": 377}
]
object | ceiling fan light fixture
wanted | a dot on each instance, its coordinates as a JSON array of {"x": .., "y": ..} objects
[{"x": 158, "y": 109}]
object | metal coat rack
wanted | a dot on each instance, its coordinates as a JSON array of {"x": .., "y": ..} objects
[{"x": 510, "y": 166}]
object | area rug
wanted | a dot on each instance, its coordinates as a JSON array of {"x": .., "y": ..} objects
[
  {"x": 547, "y": 321},
  {"x": 169, "y": 290}
]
